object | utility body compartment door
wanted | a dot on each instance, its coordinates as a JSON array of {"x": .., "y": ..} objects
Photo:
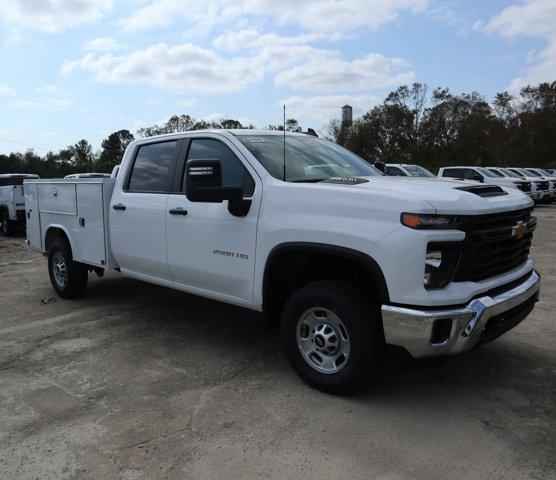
[{"x": 33, "y": 221}]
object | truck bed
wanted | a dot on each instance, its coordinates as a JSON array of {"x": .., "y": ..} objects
[{"x": 77, "y": 206}]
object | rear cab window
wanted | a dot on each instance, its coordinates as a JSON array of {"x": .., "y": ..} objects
[{"x": 153, "y": 167}]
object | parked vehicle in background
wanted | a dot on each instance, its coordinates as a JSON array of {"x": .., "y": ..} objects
[
  {"x": 12, "y": 201},
  {"x": 482, "y": 175},
  {"x": 88, "y": 175},
  {"x": 344, "y": 259},
  {"x": 407, "y": 170},
  {"x": 547, "y": 176},
  {"x": 543, "y": 183},
  {"x": 536, "y": 193}
]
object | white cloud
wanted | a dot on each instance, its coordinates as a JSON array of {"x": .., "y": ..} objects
[
  {"x": 181, "y": 68},
  {"x": 102, "y": 44},
  {"x": 6, "y": 90},
  {"x": 46, "y": 89},
  {"x": 533, "y": 18},
  {"x": 54, "y": 16},
  {"x": 322, "y": 108},
  {"x": 203, "y": 14},
  {"x": 46, "y": 104},
  {"x": 373, "y": 71},
  {"x": 327, "y": 16},
  {"x": 332, "y": 15},
  {"x": 186, "y": 103}
]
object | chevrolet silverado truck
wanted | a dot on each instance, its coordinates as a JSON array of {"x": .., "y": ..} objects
[
  {"x": 12, "y": 201},
  {"x": 342, "y": 258}
]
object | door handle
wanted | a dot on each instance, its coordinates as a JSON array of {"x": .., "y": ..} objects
[
  {"x": 177, "y": 211},
  {"x": 119, "y": 206}
]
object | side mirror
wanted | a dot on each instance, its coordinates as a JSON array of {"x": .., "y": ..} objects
[
  {"x": 203, "y": 183},
  {"x": 480, "y": 178}
]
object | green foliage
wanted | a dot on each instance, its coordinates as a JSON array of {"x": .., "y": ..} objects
[
  {"x": 441, "y": 128},
  {"x": 412, "y": 125},
  {"x": 113, "y": 148}
]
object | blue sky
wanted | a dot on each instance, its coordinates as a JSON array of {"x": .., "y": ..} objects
[{"x": 72, "y": 69}]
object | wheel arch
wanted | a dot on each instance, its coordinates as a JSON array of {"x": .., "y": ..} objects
[
  {"x": 291, "y": 265},
  {"x": 54, "y": 232}
]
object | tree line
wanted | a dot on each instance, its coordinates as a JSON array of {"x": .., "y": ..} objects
[
  {"x": 80, "y": 158},
  {"x": 412, "y": 125},
  {"x": 439, "y": 128}
]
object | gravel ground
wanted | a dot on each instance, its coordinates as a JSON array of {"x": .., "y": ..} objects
[{"x": 135, "y": 381}]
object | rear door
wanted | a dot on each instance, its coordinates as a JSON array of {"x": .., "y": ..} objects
[
  {"x": 138, "y": 210},
  {"x": 209, "y": 249}
]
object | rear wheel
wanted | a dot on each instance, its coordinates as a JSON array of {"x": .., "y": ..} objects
[
  {"x": 332, "y": 335},
  {"x": 68, "y": 278},
  {"x": 7, "y": 227}
]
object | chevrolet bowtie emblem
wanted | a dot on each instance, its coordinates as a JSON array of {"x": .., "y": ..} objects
[{"x": 519, "y": 229}]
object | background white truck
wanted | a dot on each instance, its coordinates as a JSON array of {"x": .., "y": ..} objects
[
  {"x": 344, "y": 259},
  {"x": 12, "y": 201}
]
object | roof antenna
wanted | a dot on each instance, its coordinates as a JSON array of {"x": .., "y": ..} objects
[{"x": 284, "y": 143}]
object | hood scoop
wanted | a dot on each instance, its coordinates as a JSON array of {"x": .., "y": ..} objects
[{"x": 484, "y": 190}]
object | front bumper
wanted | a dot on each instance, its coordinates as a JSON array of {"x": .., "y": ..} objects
[{"x": 448, "y": 331}]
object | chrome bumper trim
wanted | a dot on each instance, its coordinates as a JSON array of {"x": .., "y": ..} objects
[{"x": 412, "y": 328}]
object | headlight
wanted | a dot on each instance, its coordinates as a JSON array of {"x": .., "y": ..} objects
[
  {"x": 421, "y": 220},
  {"x": 441, "y": 262}
]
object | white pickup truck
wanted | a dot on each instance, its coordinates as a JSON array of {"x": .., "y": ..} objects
[
  {"x": 344, "y": 259},
  {"x": 12, "y": 201}
]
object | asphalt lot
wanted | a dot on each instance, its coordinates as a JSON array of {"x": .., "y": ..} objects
[{"x": 135, "y": 381}]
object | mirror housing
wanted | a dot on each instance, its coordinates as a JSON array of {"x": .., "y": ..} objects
[{"x": 203, "y": 183}]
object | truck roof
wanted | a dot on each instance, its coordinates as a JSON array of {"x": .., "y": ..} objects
[
  {"x": 19, "y": 175},
  {"x": 233, "y": 131}
]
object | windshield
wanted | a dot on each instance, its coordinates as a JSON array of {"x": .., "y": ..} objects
[
  {"x": 486, "y": 172},
  {"x": 533, "y": 173},
  {"x": 509, "y": 173},
  {"x": 418, "y": 171},
  {"x": 496, "y": 172},
  {"x": 308, "y": 159}
]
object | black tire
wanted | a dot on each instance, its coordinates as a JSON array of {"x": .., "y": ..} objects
[
  {"x": 360, "y": 317},
  {"x": 76, "y": 274},
  {"x": 7, "y": 226}
]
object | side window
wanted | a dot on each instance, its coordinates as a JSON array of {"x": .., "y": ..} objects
[
  {"x": 152, "y": 169},
  {"x": 452, "y": 173},
  {"x": 234, "y": 174},
  {"x": 470, "y": 174},
  {"x": 395, "y": 172}
]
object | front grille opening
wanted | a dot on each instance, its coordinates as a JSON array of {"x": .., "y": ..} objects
[
  {"x": 441, "y": 331},
  {"x": 492, "y": 246}
]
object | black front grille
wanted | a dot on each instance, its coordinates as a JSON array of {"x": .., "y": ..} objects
[
  {"x": 524, "y": 186},
  {"x": 493, "y": 244},
  {"x": 542, "y": 185}
]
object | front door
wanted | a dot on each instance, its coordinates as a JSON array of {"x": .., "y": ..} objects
[
  {"x": 138, "y": 211},
  {"x": 209, "y": 249}
]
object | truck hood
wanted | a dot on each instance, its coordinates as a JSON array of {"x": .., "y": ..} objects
[{"x": 444, "y": 196}]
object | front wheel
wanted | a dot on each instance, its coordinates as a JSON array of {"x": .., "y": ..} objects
[
  {"x": 332, "y": 336},
  {"x": 68, "y": 278}
]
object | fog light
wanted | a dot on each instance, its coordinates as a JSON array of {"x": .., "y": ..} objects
[{"x": 440, "y": 265}]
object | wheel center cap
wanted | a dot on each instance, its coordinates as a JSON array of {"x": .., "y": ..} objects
[{"x": 319, "y": 341}]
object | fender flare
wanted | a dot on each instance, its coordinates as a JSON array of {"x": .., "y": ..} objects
[
  {"x": 363, "y": 259},
  {"x": 58, "y": 227}
]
